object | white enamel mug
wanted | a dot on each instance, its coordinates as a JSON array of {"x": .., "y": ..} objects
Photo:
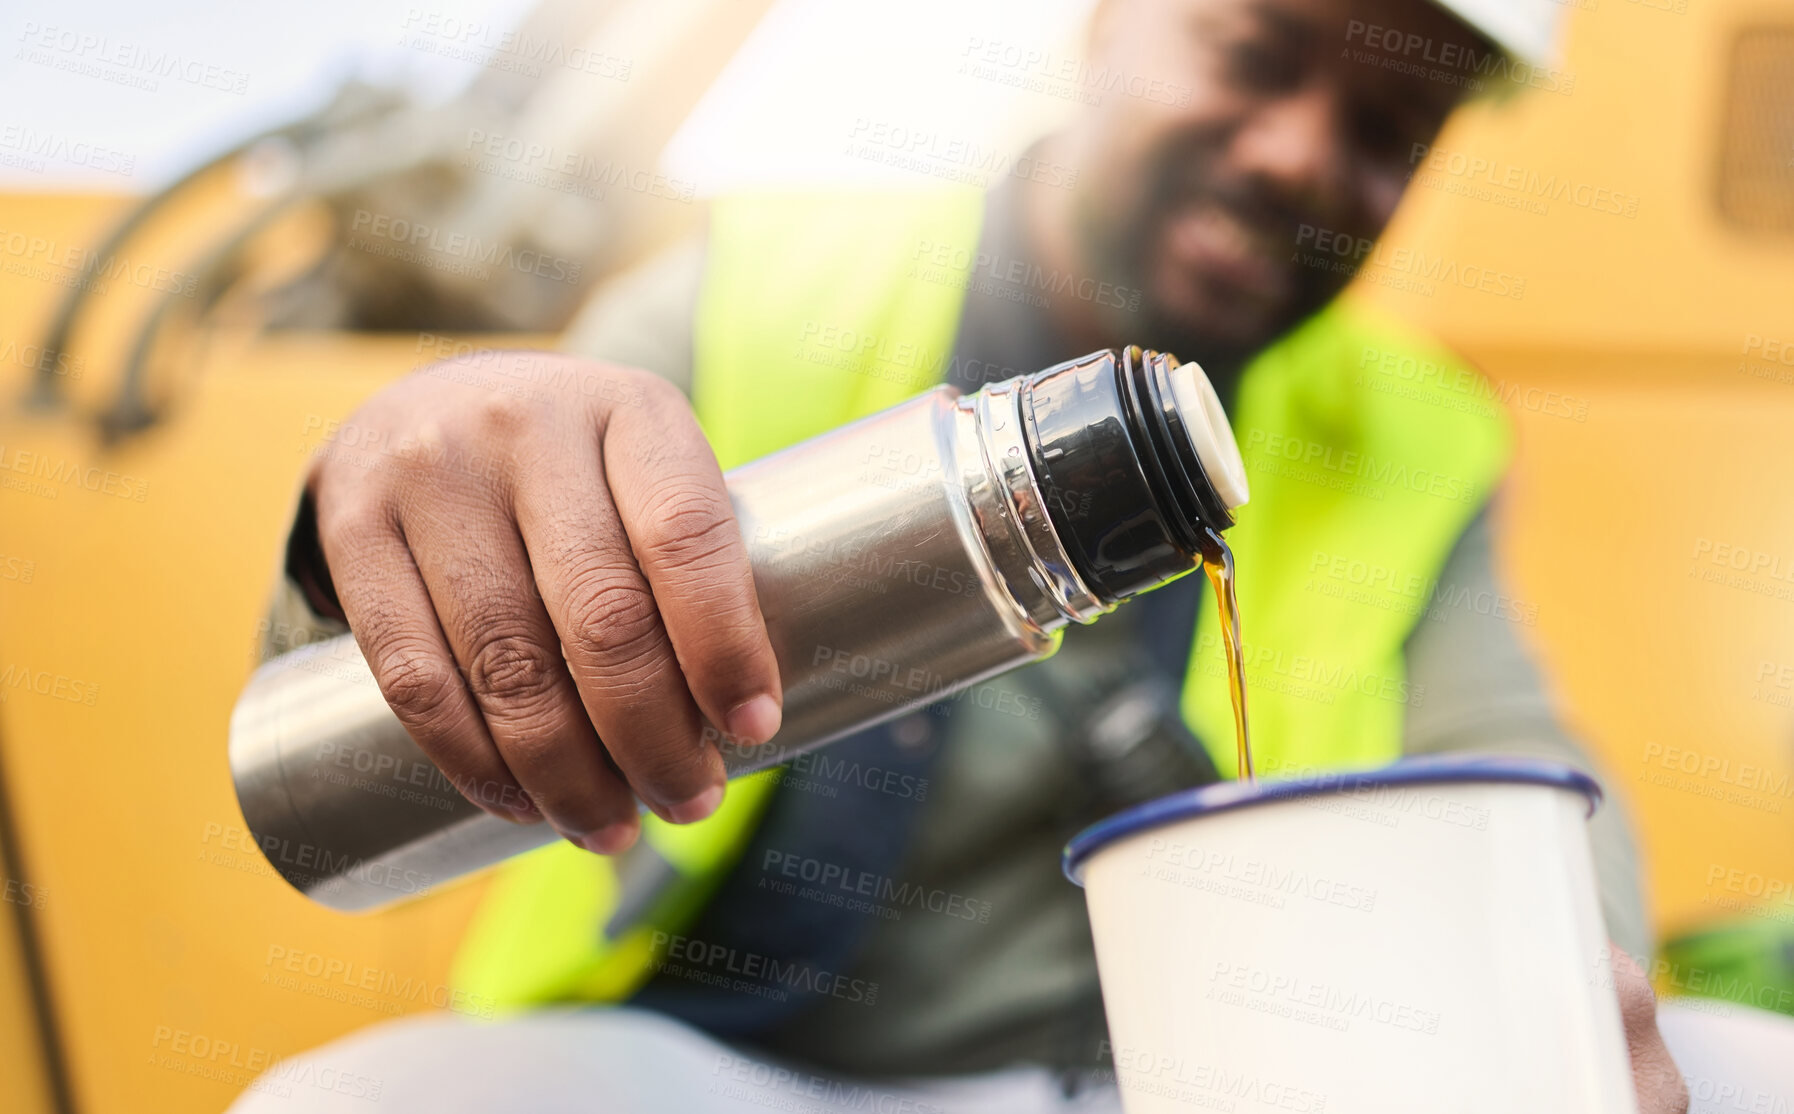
[{"x": 1424, "y": 937}]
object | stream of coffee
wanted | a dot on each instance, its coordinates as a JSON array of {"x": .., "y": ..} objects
[{"x": 1217, "y": 562}]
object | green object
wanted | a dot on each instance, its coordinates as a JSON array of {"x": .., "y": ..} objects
[
  {"x": 1364, "y": 443},
  {"x": 1749, "y": 962}
]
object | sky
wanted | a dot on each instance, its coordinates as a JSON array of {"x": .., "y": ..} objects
[
  {"x": 84, "y": 107},
  {"x": 122, "y": 95}
]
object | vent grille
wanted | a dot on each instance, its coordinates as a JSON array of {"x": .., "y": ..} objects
[{"x": 1756, "y": 164}]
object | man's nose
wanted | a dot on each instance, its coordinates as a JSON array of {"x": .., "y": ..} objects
[{"x": 1294, "y": 143}]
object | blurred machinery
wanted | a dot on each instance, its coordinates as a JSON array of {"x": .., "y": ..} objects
[{"x": 498, "y": 211}]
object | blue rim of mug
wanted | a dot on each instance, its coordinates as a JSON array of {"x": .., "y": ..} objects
[{"x": 1227, "y": 796}]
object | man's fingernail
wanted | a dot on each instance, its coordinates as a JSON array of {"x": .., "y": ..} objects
[
  {"x": 754, "y": 721},
  {"x": 524, "y": 815},
  {"x": 696, "y": 809},
  {"x": 610, "y": 839}
]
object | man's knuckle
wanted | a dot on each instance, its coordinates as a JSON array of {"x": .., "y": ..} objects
[
  {"x": 415, "y": 682},
  {"x": 354, "y": 522},
  {"x": 690, "y": 526},
  {"x": 511, "y": 668},
  {"x": 657, "y": 392},
  {"x": 614, "y": 621},
  {"x": 500, "y": 418}
]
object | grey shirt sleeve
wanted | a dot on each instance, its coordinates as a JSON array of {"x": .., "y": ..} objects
[{"x": 1482, "y": 692}]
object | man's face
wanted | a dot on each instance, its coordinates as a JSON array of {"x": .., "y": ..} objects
[{"x": 1288, "y": 119}]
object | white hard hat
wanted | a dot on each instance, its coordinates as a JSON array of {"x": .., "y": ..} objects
[{"x": 1527, "y": 29}]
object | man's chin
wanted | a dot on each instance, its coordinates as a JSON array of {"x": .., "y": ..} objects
[{"x": 1206, "y": 324}]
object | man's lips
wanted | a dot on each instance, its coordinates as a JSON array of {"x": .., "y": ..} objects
[{"x": 1213, "y": 245}]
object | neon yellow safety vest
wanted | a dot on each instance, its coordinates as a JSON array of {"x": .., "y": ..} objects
[{"x": 1368, "y": 449}]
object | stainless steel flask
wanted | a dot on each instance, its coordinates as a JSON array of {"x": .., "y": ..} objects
[{"x": 897, "y": 560}]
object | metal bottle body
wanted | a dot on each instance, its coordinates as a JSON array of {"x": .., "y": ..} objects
[
  {"x": 875, "y": 567},
  {"x": 897, "y": 560}
]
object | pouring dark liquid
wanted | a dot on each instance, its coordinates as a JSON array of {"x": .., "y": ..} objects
[{"x": 1217, "y": 563}]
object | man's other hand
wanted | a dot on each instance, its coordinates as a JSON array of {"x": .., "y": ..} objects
[{"x": 1654, "y": 1074}]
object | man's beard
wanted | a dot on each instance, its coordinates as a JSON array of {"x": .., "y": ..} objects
[{"x": 1123, "y": 245}]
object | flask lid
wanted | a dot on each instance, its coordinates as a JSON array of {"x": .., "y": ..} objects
[
  {"x": 1212, "y": 434},
  {"x": 1134, "y": 468}
]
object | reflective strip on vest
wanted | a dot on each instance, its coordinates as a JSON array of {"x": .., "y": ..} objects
[{"x": 1366, "y": 459}]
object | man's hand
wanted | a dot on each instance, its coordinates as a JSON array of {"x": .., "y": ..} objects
[
  {"x": 1654, "y": 1074},
  {"x": 536, "y": 553}
]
